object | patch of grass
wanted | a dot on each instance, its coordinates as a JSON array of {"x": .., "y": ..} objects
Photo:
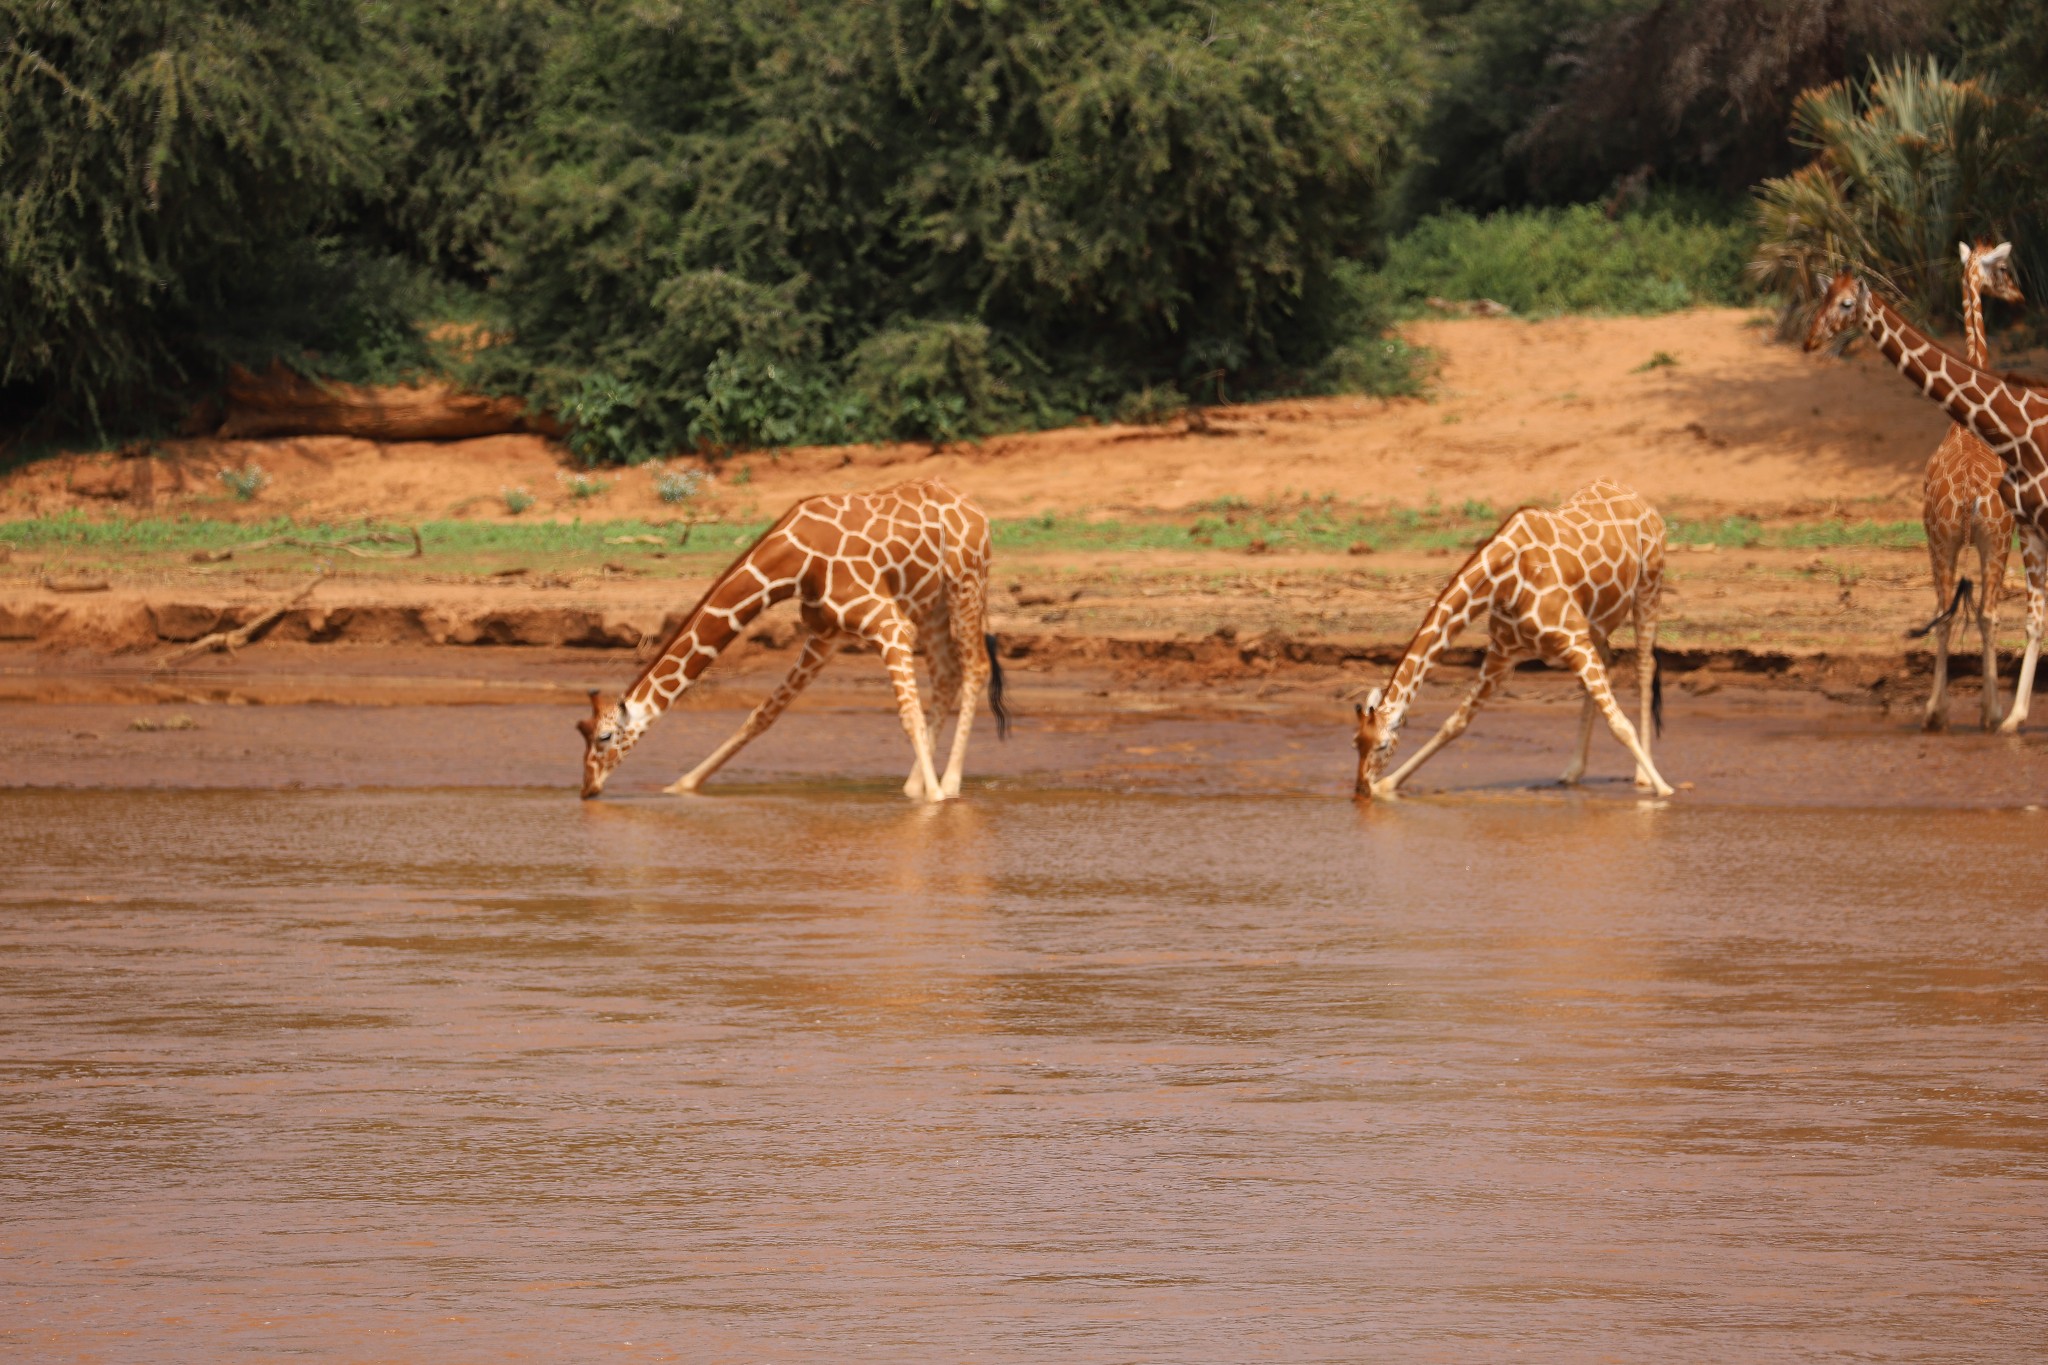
[
  {"x": 583, "y": 486},
  {"x": 516, "y": 500},
  {"x": 1658, "y": 360},
  {"x": 1225, "y": 525},
  {"x": 1540, "y": 262}
]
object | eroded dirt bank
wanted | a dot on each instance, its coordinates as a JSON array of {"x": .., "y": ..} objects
[{"x": 1520, "y": 412}]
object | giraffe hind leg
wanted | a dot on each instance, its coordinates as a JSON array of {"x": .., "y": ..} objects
[
  {"x": 943, "y": 666},
  {"x": 817, "y": 652},
  {"x": 896, "y": 638},
  {"x": 1584, "y": 660}
]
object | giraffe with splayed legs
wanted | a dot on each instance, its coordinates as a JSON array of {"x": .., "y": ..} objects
[
  {"x": 1553, "y": 585},
  {"x": 2009, "y": 416},
  {"x": 1963, "y": 504},
  {"x": 900, "y": 568}
]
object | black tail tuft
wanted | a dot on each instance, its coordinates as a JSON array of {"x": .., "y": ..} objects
[
  {"x": 1955, "y": 604},
  {"x": 995, "y": 688},
  {"x": 1657, "y": 692}
]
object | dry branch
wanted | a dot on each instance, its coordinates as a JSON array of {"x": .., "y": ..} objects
[{"x": 228, "y": 641}]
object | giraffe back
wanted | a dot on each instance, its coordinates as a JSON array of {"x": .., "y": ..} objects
[{"x": 1603, "y": 548}]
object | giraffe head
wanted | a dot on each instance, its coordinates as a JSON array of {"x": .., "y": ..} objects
[
  {"x": 1841, "y": 307},
  {"x": 1991, "y": 268},
  {"x": 606, "y": 737},
  {"x": 1377, "y": 731}
]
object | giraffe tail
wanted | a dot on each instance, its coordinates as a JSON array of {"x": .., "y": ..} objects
[
  {"x": 1955, "y": 604},
  {"x": 1657, "y": 692},
  {"x": 995, "y": 688}
]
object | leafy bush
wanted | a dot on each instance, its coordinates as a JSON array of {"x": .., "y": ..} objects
[
  {"x": 752, "y": 402},
  {"x": 758, "y": 213},
  {"x": 1903, "y": 169},
  {"x": 1540, "y": 261},
  {"x": 516, "y": 500}
]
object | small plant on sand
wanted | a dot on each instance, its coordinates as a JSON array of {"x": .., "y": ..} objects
[
  {"x": 516, "y": 500},
  {"x": 1476, "y": 509},
  {"x": 743, "y": 477},
  {"x": 245, "y": 483},
  {"x": 677, "y": 485},
  {"x": 583, "y": 486},
  {"x": 1657, "y": 361}
]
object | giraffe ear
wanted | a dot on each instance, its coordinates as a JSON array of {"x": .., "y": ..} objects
[
  {"x": 588, "y": 725},
  {"x": 1964, "y": 249},
  {"x": 1372, "y": 701},
  {"x": 1998, "y": 253}
]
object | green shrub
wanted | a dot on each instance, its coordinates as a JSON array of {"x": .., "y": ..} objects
[
  {"x": 749, "y": 402},
  {"x": 677, "y": 485},
  {"x": 1569, "y": 260},
  {"x": 516, "y": 500}
]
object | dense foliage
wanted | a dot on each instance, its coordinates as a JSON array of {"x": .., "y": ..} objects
[{"x": 727, "y": 223}]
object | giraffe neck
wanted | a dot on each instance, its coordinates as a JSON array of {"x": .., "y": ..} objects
[
  {"x": 1974, "y": 348},
  {"x": 2012, "y": 418},
  {"x": 1464, "y": 599},
  {"x": 752, "y": 585}
]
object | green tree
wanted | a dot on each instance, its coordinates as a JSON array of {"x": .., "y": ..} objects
[{"x": 166, "y": 161}]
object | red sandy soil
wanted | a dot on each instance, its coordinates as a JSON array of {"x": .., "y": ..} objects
[{"x": 1520, "y": 412}]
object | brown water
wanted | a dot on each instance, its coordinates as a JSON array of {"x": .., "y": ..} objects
[{"x": 809, "y": 1073}]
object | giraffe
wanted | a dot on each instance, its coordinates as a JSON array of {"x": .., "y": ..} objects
[
  {"x": 2010, "y": 417},
  {"x": 1553, "y": 584},
  {"x": 897, "y": 567},
  {"x": 1962, "y": 504}
]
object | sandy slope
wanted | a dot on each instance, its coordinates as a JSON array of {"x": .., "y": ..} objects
[{"x": 1522, "y": 411}]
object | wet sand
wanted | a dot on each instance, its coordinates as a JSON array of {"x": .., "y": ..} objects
[{"x": 814, "y": 1074}]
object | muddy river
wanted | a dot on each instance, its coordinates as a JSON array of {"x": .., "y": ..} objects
[{"x": 800, "y": 1071}]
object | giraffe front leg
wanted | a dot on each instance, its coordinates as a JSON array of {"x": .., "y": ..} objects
[
  {"x": 1493, "y": 671},
  {"x": 2034, "y": 555},
  {"x": 817, "y": 652},
  {"x": 1586, "y": 663},
  {"x": 894, "y": 635}
]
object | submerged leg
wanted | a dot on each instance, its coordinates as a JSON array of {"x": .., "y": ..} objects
[
  {"x": 1493, "y": 671},
  {"x": 1576, "y": 769},
  {"x": 817, "y": 652},
  {"x": 2033, "y": 554},
  {"x": 944, "y": 670},
  {"x": 896, "y": 638},
  {"x": 1582, "y": 659},
  {"x": 1646, "y": 686}
]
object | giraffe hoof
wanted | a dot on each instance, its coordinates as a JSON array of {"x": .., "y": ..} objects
[{"x": 682, "y": 786}]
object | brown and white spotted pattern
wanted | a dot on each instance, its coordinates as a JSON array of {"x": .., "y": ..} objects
[
  {"x": 2010, "y": 417},
  {"x": 1963, "y": 504},
  {"x": 900, "y": 567},
  {"x": 1553, "y": 585}
]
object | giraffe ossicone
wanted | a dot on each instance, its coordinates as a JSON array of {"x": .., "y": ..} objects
[
  {"x": 1553, "y": 585},
  {"x": 901, "y": 567}
]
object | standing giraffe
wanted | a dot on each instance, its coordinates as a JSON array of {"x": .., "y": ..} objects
[
  {"x": 1963, "y": 504},
  {"x": 2011, "y": 417},
  {"x": 1554, "y": 585},
  {"x": 898, "y": 567}
]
